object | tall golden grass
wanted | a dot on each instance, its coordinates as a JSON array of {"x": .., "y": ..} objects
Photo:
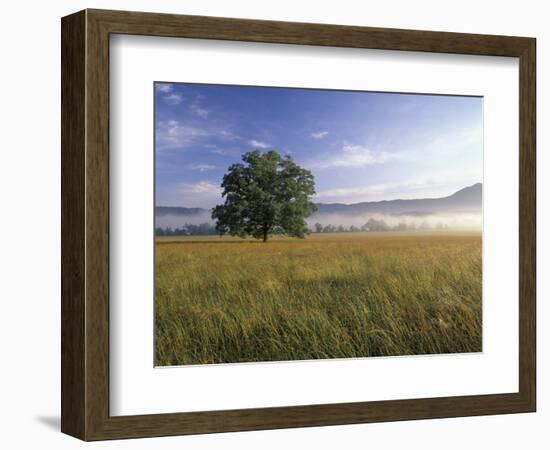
[{"x": 224, "y": 300}]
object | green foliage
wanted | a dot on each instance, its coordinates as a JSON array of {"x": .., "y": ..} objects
[{"x": 267, "y": 194}]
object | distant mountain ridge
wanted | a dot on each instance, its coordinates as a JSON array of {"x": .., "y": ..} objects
[{"x": 466, "y": 200}]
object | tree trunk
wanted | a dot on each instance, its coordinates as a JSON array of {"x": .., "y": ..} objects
[{"x": 265, "y": 234}]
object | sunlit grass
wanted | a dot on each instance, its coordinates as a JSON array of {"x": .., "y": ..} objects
[{"x": 222, "y": 300}]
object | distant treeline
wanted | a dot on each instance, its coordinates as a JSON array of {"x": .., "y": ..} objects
[
  {"x": 188, "y": 229},
  {"x": 372, "y": 225}
]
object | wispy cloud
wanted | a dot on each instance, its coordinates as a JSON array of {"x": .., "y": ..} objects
[
  {"x": 202, "y": 194},
  {"x": 164, "y": 87},
  {"x": 373, "y": 190},
  {"x": 217, "y": 150},
  {"x": 173, "y": 134},
  {"x": 197, "y": 108},
  {"x": 173, "y": 98},
  {"x": 179, "y": 135},
  {"x": 168, "y": 95},
  {"x": 319, "y": 135},
  {"x": 352, "y": 191},
  {"x": 200, "y": 112},
  {"x": 258, "y": 144},
  {"x": 202, "y": 187},
  {"x": 203, "y": 167},
  {"x": 358, "y": 156}
]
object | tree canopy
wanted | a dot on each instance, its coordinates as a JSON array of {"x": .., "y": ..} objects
[{"x": 265, "y": 194}]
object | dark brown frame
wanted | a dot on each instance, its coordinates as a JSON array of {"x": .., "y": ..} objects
[{"x": 85, "y": 224}]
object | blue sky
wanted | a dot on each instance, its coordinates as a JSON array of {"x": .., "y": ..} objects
[{"x": 361, "y": 146}]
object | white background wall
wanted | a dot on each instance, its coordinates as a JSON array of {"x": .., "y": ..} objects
[{"x": 30, "y": 223}]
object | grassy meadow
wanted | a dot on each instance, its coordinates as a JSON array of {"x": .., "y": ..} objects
[{"x": 349, "y": 295}]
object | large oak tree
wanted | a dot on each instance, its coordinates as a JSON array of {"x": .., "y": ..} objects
[{"x": 265, "y": 194}]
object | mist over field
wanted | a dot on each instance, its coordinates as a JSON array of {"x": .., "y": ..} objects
[
  {"x": 456, "y": 221},
  {"x": 459, "y": 221},
  {"x": 179, "y": 220}
]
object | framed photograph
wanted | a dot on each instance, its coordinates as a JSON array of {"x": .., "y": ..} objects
[{"x": 272, "y": 225}]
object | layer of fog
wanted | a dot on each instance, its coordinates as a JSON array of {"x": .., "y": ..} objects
[
  {"x": 465, "y": 221},
  {"x": 450, "y": 220},
  {"x": 177, "y": 221}
]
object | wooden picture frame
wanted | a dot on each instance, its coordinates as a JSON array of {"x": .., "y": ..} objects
[{"x": 85, "y": 224}]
